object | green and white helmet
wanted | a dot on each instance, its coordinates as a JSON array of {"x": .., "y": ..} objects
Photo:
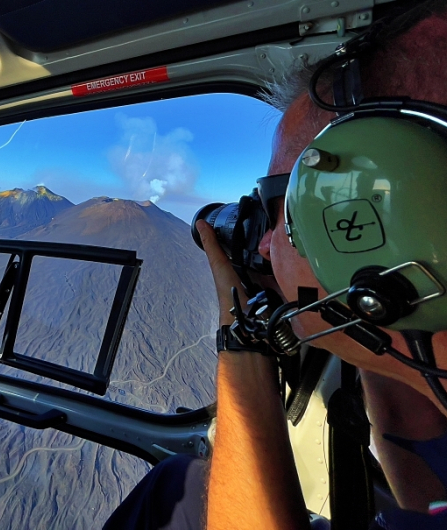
[{"x": 369, "y": 194}]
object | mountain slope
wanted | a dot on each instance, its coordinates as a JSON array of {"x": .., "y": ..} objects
[
  {"x": 174, "y": 303},
  {"x": 166, "y": 357},
  {"x": 21, "y": 210}
]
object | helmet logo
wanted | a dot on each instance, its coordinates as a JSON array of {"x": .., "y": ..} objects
[{"x": 353, "y": 226}]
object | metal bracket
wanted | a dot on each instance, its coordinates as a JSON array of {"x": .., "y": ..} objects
[
  {"x": 14, "y": 284},
  {"x": 338, "y": 24}
]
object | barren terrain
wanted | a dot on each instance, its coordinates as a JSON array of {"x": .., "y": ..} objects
[{"x": 52, "y": 480}]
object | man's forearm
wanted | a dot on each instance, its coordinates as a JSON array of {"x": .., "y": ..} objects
[{"x": 253, "y": 479}]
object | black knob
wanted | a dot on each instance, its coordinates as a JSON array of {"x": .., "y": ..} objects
[{"x": 380, "y": 299}]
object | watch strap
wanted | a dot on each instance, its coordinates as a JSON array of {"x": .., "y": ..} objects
[{"x": 226, "y": 341}]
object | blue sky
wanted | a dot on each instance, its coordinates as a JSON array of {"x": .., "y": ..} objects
[{"x": 179, "y": 153}]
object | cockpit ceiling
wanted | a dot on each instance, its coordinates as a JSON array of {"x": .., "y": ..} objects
[
  {"x": 50, "y": 25},
  {"x": 49, "y": 46}
]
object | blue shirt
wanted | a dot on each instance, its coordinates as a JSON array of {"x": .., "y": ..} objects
[{"x": 434, "y": 453}]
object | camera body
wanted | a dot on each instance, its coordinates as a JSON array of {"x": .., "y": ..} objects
[{"x": 239, "y": 227}]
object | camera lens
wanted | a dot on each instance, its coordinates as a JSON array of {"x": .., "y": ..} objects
[{"x": 222, "y": 217}]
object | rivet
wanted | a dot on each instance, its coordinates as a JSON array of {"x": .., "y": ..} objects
[
  {"x": 323, "y": 480},
  {"x": 263, "y": 55},
  {"x": 335, "y": 4},
  {"x": 271, "y": 70},
  {"x": 250, "y": 4},
  {"x": 319, "y": 423},
  {"x": 320, "y": 460},
  {"x": 319, "y": 496},
  {"x": 306, "y": 9},
  {"x": 318, "y": 442},
  {"x": 364, "y": 16},
  {"x": 185, "y": 20}
]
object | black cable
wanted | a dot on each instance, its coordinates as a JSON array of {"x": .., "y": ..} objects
[
  {"x": 313, "y": 94},
  {"x": 377, "y": 104},
  {"x": 352, "y": 49},
  {"x": 420, "y": 345},
  {"x": 417, "y": 365}
]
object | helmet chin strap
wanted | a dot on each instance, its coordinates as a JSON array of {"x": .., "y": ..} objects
[{"x": 367, "y": 335}]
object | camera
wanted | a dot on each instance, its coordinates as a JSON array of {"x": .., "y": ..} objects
[{"x": 239, "y": 227}]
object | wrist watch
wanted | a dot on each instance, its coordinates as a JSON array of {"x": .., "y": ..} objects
[{"x": 227, "y": 341}]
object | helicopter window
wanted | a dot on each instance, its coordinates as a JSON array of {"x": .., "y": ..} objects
[{"x": 129, "y": 178}]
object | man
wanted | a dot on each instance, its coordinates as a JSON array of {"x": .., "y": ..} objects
[{"x": 253, "y": 481}]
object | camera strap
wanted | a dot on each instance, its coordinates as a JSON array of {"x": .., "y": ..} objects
[{"x": 301, "y": 392}]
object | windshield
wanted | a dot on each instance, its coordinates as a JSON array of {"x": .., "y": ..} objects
[{"x": 130, "y": 178}]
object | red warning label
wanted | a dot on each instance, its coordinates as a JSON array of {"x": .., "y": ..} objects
[{"x": 118, "y": 82}]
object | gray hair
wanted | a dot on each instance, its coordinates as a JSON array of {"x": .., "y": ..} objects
[{"x": 281, "y": 94}]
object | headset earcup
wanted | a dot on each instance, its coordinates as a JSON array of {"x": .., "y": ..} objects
[{"x": 380, "y": 299}]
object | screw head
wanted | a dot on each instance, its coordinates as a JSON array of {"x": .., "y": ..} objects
[{"x": 371, "y": 306}]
